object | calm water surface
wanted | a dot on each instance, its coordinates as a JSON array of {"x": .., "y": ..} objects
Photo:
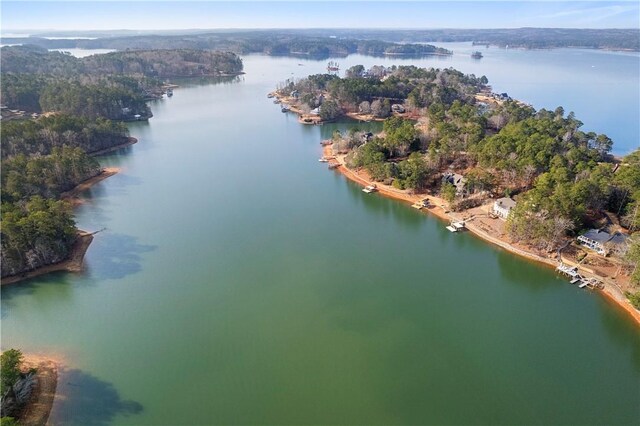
[{"x": 240, "y": 282}]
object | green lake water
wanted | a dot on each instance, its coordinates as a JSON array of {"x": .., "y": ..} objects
[{"x": 238, "y": 281}]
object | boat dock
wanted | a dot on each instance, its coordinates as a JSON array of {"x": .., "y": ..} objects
[
  {"x": 456, "y": 226},
  {"x": 576, "y": 278},
  {"x": 369, "y": 189},
  {"x": 422, "y": 204}
]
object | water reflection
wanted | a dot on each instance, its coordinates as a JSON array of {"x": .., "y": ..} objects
[
  {"x": 33, "y": 288},
  {"x": 82, "y": 399},
  {"x": 519, "y": 273},
  {"x": 117, "y": 255}
]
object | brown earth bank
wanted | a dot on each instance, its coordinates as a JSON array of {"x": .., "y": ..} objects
[
  {"x": 130, "y": 141},
  {"x": 73, "y": 264},
  {"x": 36, "y": 411},
  {"x": 34, "y": 391},
  {"x": 75, "y": 261},
  {"x": 611, "y": 290}
]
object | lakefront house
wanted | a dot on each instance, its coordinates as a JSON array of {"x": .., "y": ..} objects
[
  {"x": 503, "y": 206},
  {"x": 603, "y": 242}
]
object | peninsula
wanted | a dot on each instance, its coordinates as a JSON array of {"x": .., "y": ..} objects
[{"x": 529, "y": 181}]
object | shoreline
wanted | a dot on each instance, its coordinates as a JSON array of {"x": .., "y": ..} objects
[
  {"x": 37, "y": 410},
  {"x": 130, "y": 141},
  {"x": 75, "y": 261},
  {"x": 610, "y": 291}
]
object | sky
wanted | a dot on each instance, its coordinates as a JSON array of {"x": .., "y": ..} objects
[{"x": 155, "y": 15}]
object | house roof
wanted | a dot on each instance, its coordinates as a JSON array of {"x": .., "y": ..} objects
[
  {"x": 506, "y": 202},
  {"x": 619, "y": 238},
  {"x": 597, "y": 235}
]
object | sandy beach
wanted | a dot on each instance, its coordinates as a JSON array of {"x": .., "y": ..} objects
[
  {"x": 36, "y": 411},
  {"x": 611, "y": 291}
]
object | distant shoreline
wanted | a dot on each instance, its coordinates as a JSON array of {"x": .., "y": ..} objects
[{"x": 610, "y": 291}]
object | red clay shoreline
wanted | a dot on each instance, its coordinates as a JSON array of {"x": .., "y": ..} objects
[{"x": 610, "y": 291}]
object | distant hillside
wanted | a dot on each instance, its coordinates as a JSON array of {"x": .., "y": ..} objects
[
  {"x": 345, "y": 41},
  {"x": 149, "y": 63},
  {"x": 276, "y": 43}
]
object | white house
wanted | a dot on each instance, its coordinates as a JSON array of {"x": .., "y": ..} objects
[
  {"x": 503, "y": 206},
  {"x": 601, "y": 241}
]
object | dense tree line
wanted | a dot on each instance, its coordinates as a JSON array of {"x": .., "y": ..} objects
[
  {"x": 112, "y": 96},
  {"x": 116, "y": 103},
  {"x": 40, "y": 160},
  {"x": 31, "y": 59},
  {"x": 42, "y": 136},
  {"x": 46, "y": 175},
  {"x": 276, "y": 43},
  {"x": 35, "y": 233},
  {"x": 373, "y": 91},
  {"x": 259, "y": 41}
]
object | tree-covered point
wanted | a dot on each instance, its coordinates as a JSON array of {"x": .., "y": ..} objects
[
  {"x": 114, "y": 97},
  {"x": 563, "y": 176},
  {"x": 367, "y": 91},
  {"x": 35, "y": 233},
  {"x": 31, "y": 59},
  {"x": 46, "y": 175},
  {"x": 40, "y": 137}
]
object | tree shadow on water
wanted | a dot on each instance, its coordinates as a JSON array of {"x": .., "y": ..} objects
[
  {"x": 82, "y": 399},
  {"x": 116, "y": 256}
]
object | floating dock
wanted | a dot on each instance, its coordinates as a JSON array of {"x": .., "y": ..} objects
[{"x": 456, "y": 226}]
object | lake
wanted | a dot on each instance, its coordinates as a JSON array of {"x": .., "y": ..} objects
[{"x": 238, "y": 281}]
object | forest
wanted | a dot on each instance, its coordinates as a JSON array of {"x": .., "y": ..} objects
[
  {"x": 40, "y": 160},
  {"x": 79, "y": 98},
  {"x": 114, "y": 85},
  {"x": 562, "y": 177}
]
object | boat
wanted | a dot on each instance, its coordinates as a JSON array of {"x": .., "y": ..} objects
[
  {"x": 169, "y": 92},
  {"x": 583, "y": 285},
  {"x": 333, "y": 166},
  {"x": 575, "y": 280},
  {"x": 476, "y": 55},
  {"x": 422, "y": 204},
  {"x": 285, "y": 108},
  {"x": 369, "y": 189},
  {"x": 451, "y": 228},
  {"x": 323, "y": 160},
  {"x": 270, "y": 95},
  {"x": 276, "y": 101}
]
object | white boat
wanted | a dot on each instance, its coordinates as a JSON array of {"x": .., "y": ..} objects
[
  {"x": 583, "y": 285},
  {"x": 369, "y": 189},
  {"x": 452, "y": 229},
  {"x": 323, "y": 160}
]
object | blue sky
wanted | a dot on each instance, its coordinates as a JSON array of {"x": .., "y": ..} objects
[{"x": 146, "y": 15}]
